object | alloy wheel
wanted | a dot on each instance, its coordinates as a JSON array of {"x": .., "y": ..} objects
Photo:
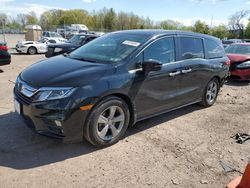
[
  {"x": 212, "y": 91},
  {"x": 110, "y": 123}
]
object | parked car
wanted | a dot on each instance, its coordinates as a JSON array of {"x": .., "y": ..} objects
[
  {"x": 31, "y": 47},
  {"x": 74, "y": 43},
  {"x": 228, "y": 42},
  {"x": 5, "y": 57},
  {"x": 60, "y": 32},
  {"x": 118, "y": 79},
  {"x": 239, "y": 55},
  {"x": 53, "y": 37}
]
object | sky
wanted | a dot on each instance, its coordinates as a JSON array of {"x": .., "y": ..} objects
[{"x": 213, "y": 12}]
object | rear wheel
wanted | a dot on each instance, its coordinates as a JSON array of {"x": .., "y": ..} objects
[
  {"x": 210, "y": 93},
  {"x": 32, "y": 50},
  {"x": 107, "y": 122}
]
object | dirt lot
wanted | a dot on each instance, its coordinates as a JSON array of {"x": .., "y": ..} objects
[{"x": 178, "y": 149}]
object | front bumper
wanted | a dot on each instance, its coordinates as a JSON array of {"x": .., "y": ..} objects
[
  {"x": 52, "y": 118},
  {"x": 21, "y": 50},
  {"x": 242, "y": 74}
]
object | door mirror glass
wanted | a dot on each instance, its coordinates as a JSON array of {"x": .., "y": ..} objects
[{"x": 151, "y": 65}]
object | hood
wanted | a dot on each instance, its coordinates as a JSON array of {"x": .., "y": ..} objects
[
  {"x": 62, "y": 71},
  {"x": 236, "y": 58}
]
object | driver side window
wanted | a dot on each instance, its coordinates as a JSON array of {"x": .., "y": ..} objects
[{"x": 162, "y": 50}]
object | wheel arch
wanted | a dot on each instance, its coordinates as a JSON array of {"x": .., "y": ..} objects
[
  {"x": 126, "y": 99},
  {"x": 32, "y": 47},
  {"x": 218, "y": 78}
]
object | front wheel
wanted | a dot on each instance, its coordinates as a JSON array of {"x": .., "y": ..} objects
[
  {"x": 107, "y": 123},
  {"x": 211, "y": 92}
]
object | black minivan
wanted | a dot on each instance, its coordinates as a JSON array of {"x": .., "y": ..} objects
[{"x": 103, "y": 87}]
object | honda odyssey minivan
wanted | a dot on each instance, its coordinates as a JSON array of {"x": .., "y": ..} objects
[{"x": 99, "y": 90}]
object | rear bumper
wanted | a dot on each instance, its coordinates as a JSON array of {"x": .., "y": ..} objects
[
  {"x": 242, "y": 74},
  {"x": 52, "y": 119}
]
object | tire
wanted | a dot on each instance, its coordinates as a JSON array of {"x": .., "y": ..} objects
[
  {"x": 32, "y": 50},
  {"x": 102, "y": 128},
  {"x": 210, "y": 93}
]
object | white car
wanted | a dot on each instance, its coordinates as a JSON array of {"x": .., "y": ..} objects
[
  {"x": 52, "y": 37},
  {"x": 52, "y": 40},
  {"x": 31, "y": 47}
]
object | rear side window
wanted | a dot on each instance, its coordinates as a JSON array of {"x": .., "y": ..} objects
[
  {"x": 214, "y": 49},
  {"x": 162, "y": 50},
  {"x": 191, "y": 48}
]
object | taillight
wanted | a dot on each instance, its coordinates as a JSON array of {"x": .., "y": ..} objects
[{"x": 4, "y": 48}]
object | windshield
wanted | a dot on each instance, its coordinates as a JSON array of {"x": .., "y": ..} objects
[
  {"x": 76, "y": 39},
  {"x": 238, "y": 49},
  {"x": 110, "y": 48},
  {"x": 55, "y": 35}
]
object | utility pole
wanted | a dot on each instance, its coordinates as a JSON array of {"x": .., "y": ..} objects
[
  {"x": 212, "y": 19},
  {"x": 3, "y": 23}
]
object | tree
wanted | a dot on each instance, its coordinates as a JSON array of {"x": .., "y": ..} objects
[
  {"x": 122, "y": 21},
  {"x": 22, "y": 19},
  {"x": 109, "y": 19},
  {"x": 3, "y": 19},
  {"x": 235, "y": 22},
  {"x": 220, "y": 31},
  {"x": 76, "y": 16},
  {"x": 13, "y": 24},
  {"x": 170, "y": 25},
  {"x": 32, "y": 18},
  {"x": 201, "y": 27},
  {"x": 247, "y": 31}
]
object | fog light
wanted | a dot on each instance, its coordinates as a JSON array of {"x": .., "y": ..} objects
[{"x": 58, "y": 123}]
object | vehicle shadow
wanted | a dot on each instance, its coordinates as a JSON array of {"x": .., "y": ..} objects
[
  {"x": 21, "y": 148},
  {"x": 238, "y": 83},
  {"x": 157, "y": 120},
  {"x": 21, "y": 54}
]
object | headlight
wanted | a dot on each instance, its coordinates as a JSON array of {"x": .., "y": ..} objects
[
  {"x": 58, "y": 50},
  {"x": 244, "y": 65},
  {"x": 51, "y": 93}
]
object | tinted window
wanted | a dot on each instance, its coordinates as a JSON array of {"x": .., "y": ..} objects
[
  {"x": 214, "y": 50},
  {"x": 162, "y": 50},
  {"x": 238, "y": 49},
  {"x": 191, "y": 48}
]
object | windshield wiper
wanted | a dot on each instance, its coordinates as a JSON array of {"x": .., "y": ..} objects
[{"x": 83, "y": 59}]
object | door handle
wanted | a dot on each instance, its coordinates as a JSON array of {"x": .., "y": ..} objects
[
  {"x": 174, "y": 73},
  {"x": 186, "y": 71}
]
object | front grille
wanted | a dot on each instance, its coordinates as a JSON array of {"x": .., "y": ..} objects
[{"x": 24, "y": 92}]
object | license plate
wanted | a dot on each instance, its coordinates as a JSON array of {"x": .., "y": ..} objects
[{"x": 17, "y": 107}]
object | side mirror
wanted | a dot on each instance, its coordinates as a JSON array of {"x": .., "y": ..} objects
[{"x": 151, "y": 65}]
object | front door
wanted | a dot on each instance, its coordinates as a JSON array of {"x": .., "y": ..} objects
[{"x": 159, "y": 90}]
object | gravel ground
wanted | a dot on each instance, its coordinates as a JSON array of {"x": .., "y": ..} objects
[{"x": 178, "y": 149}]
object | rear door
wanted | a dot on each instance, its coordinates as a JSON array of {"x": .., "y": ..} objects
[{"x": 193, "y": 68}]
